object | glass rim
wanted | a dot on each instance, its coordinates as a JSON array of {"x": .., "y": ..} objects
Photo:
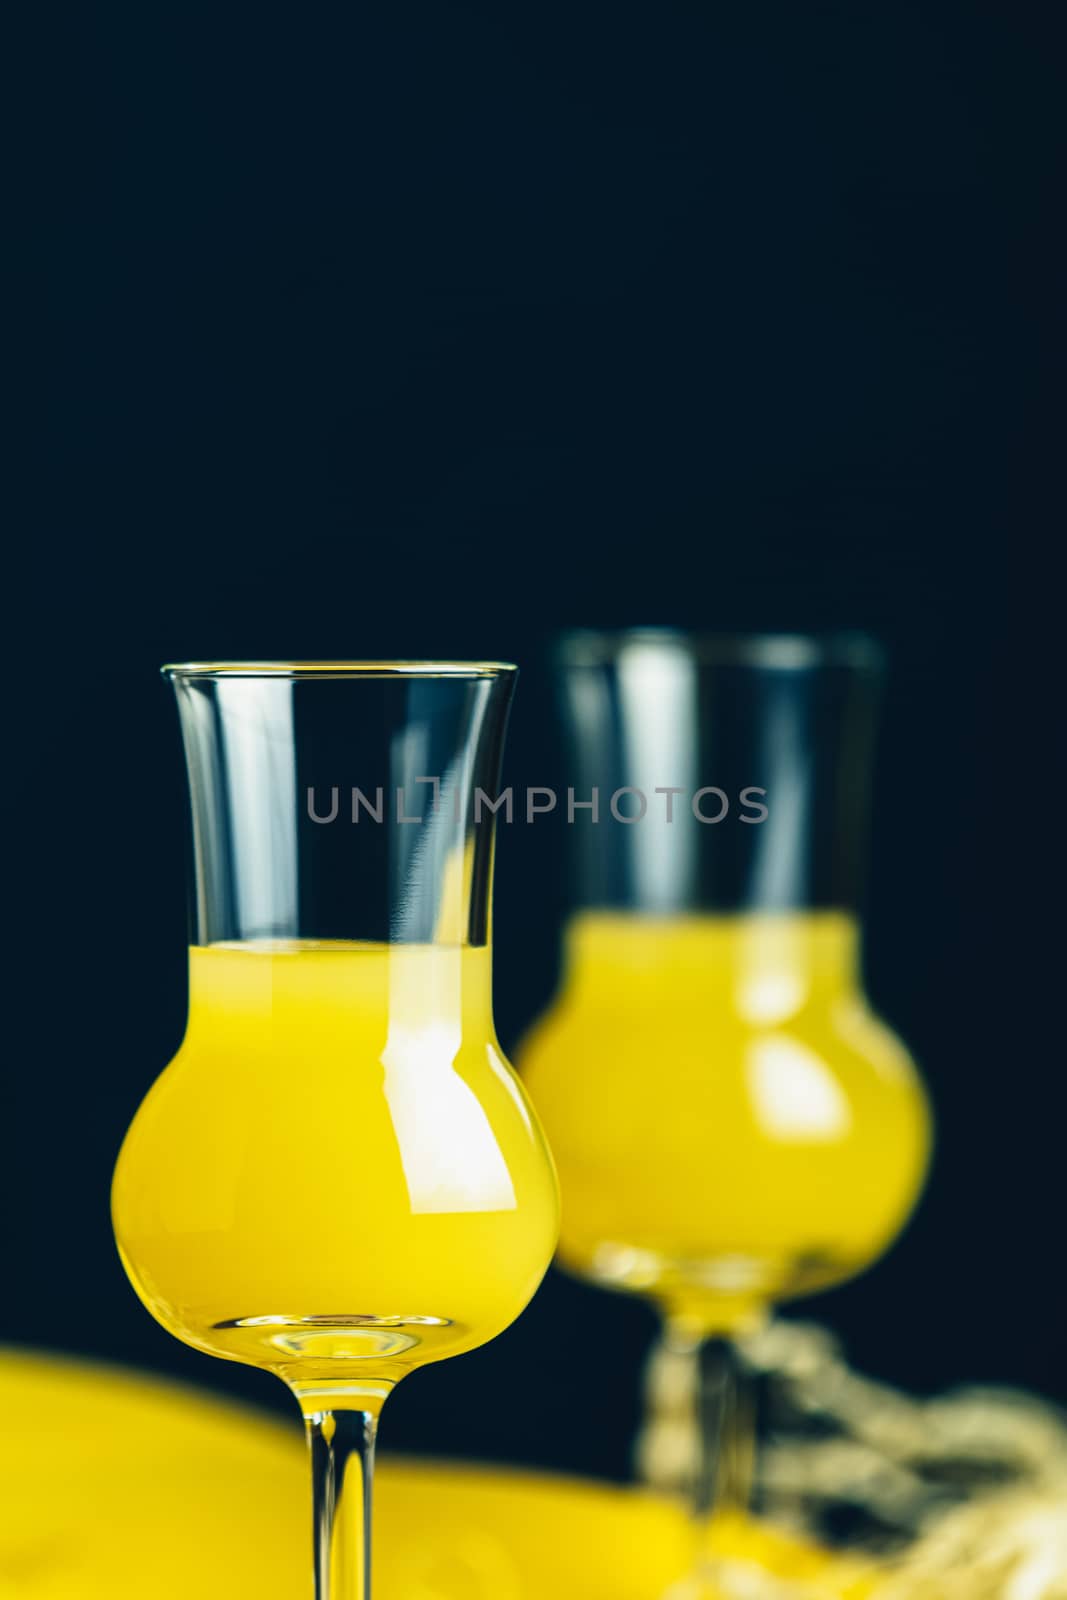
[
  {"x": 311, "y": 670},
  {"x": 589, "y": 647}
]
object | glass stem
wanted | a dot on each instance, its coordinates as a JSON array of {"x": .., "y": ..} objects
[
  {"x": 727, "y": 1430},
  {"x": 724, "y": 1414},
  {"x": 341, "y": 1430}
]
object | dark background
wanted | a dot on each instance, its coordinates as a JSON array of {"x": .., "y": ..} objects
[{"x": 434, "y": 331}]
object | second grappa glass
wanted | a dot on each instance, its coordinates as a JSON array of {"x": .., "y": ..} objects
[{"x": 732, "y": 1124}]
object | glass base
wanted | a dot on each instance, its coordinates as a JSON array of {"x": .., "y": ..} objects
[
  {"x": 278, "y": 1340},
  {"x": 737, "y": 1279}
]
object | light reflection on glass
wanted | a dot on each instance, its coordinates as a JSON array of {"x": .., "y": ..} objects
[
  {"x": 448, "y": 1150},
  {"x": 794, "y": 1092}
]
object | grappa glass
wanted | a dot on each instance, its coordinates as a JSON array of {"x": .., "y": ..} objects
[
  {"x": 338, "y": 1178},
  {"x": 732, "y": 1124}
]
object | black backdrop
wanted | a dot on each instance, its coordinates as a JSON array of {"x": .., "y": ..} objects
[{"x": 434, "y": 331}]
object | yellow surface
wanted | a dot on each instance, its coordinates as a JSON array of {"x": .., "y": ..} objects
[
  {"x": 116, "y": 1487},
  {"x": 339, "y": 1159},
  {"x": 730, "y": 1122}
]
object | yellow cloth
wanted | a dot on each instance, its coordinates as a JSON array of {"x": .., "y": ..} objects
[{"x": 115, "y": 1485}]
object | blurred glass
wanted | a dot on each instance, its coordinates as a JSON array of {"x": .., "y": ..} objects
[{"x": 732, "y": 1124}]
